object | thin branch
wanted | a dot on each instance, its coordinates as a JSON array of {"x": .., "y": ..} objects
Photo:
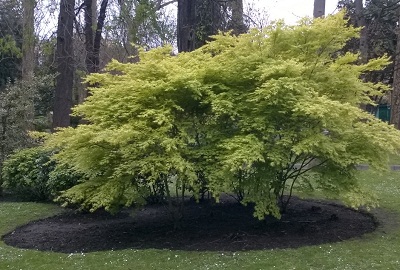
[
  {"x": 307, "y": 170},
  {"x": 250, "y": 19},
  {"x": 78, "y": 9},
  {"x": 161, "y": 5},
  {"x": 303, "y": 165}
]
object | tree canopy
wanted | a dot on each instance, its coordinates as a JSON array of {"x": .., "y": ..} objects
[
  {"x": 10, "y": 41},
  {"x": 258, "y": 115}
]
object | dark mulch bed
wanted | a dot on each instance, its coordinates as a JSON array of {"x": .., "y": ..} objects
[{"x": 227, "y": 226}]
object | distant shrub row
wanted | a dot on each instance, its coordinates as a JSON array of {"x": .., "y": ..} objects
[{"x": 32, "y": 175}]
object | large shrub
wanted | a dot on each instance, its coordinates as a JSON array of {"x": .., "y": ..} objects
[
  {"x": 260, "y": 114},
  {"x": 32, "y": 175},
  {"x": 23, "y": 107}
]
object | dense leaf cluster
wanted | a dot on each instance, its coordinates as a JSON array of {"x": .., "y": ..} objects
[
  {"x": 31, "y": 175},
  {"x": 257, "y": 115},
  {"x": 22, "y": 109}
]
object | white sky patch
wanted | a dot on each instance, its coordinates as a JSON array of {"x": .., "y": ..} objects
[{"x": 291, "y": 10}]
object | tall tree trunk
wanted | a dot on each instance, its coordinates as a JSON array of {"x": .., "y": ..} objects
[
  {"x": 186, "y": 25},
  {"x": 89, "y": 7},
  {"x": 125, "y": 7},
  {"x": 93, "y": 30},
  {"x": 89, "y": 37},
  {"x": 363, "y": 45},
  {"x": 319, "y": 8},
  {"x": 97, "y": 36},
  {"x": 199, "y": 19},
  {"x": 93, "y": 38},
  {"x": 65, "y": 65},
  {"x": 237, "y": 24},
  {"x": 363, "y": 34},
  {"x": 28, "y": 42},
  {"x": 2, "y": 149},
  {"x": 395, "y": 97}
]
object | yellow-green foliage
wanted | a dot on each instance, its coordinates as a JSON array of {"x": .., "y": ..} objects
[{"x": 259, "y": 113}]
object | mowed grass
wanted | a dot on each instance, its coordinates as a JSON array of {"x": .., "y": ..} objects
[{"x": 378, "y": 250}]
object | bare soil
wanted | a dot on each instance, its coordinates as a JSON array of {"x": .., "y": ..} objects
[{"x": 226, "y": 226}]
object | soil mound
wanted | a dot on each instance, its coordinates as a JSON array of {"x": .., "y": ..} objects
[{"x": 226, "y": 226}]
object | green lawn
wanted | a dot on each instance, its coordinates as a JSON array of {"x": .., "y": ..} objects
[{"x": 379, "y": 250}]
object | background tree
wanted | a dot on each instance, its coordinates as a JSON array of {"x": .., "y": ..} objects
[
  {"x": 22, "y": 96},
  {"x": 378, "y": 37},
  {"x": 119, "y": 24},
  {"x": 145, "y": 23},
  {"x": 10, "y": 41},
  {"x": 395, "y": 97},
  {"x": 16, "y": 118},
  {"x": 186, "y": 22},
  {"x": 65, "y": 65},
  {"x": 319, "y": 8},
  {"x": 236, "y": 22},
  {"x": 28, "y": 44},
  {"x": 90, "y": 8},
  {"x": 359, "y": 8},
  {"x": 198, "y": 20},
  {"x": 255, "y": 17},
  {"x": 93, "y": 38}
]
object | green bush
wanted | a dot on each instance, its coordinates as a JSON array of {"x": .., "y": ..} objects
[
  {"x": 32, "y": 175},
  {"x": 261, "y": 115}
]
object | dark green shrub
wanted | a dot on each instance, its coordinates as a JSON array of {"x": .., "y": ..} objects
[{"x": 32, "y": 175}]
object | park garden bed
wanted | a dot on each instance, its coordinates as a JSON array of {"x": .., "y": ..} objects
[{"x": 226, "y": 226}]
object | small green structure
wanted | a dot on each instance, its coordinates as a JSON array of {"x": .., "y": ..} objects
[{"x": 383, "y": 112}]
